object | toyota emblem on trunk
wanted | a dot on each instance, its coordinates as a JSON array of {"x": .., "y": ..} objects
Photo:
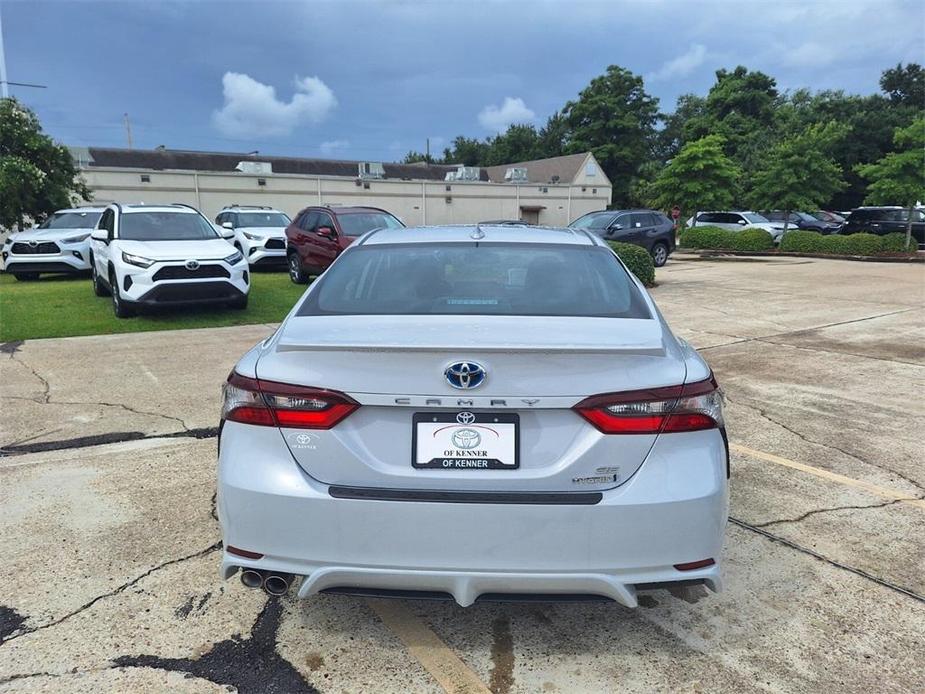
[
  {"x": 192, "y": 264},
  {"x": 465, "y": 374}
]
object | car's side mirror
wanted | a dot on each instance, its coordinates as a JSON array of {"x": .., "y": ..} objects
[
  {"x": 325, "y": 231},
  {"x": 227, "y": 225},
  {"x": 742, "y": 222},
  {"x": 99, "y": 235},
  {"x": 616, "y": 227}
]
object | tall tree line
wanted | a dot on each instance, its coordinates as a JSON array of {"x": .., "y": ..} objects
[{"x": 744, "y": 113}]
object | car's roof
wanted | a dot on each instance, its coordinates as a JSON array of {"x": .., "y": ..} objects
[
  {"x": 182, "y": 209},
  {"x": 79, "y": 210},
  {"x": 504, "y": 233},
  {"x": 345, "y": 209}
]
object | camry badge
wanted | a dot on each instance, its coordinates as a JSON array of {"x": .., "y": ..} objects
[{"x": 465, "y": 374}]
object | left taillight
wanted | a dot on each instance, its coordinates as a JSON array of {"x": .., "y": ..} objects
[
  {"x": 689, "y": 407},
  {"x": 268, "y": 403}
]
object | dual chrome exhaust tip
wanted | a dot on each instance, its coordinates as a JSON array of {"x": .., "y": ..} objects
[{"x": 273, "y": 583}]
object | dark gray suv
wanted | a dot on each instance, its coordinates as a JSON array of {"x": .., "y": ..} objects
[{"x": 647, "y": 228}]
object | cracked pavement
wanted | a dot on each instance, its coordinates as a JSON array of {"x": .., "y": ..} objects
[{"x": 110, "y": 539}]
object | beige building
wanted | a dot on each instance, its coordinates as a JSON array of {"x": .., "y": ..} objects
[{"x": 547, "y": 191}]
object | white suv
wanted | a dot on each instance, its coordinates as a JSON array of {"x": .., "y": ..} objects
[
  {"x": 155, "y": 255},
  {"x": 736, "y": 221},
  {"x": 259, "y": 233},
  {"x": 59, "y": 244}
]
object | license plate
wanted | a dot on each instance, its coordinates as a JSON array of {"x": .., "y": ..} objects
[{"x": 465, "y": 441}]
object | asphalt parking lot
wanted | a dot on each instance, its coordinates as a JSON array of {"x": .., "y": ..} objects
[{"x": 110, "y": 540}]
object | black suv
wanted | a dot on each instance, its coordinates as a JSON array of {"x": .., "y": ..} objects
[
  {"x": 801, "y": 220},
  {"x": 885, "y": 220},
  {"x": 647, "y": 228}
]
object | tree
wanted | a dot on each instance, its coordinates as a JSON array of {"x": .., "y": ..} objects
[
  {"x": 414, "y": 157},
  {"x": 517, "y": 143},
  {"x": 798, "y": 172},
  {"x": 905, "y": 84},
  {"x": 467, "y": 151},
  {"x": 900, "y": 176},
  {"x": 552, "y": 137},
  {"x": 700, "y": 177},
  {"x": 37, "y": 175},
  {"x": 614, "y": 118},
  {"x": 673, "y": 135}
]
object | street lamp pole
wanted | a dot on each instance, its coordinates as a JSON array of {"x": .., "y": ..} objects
[{"x": 4, "y": 86}]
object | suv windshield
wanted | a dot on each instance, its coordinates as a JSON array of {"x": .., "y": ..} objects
[
  {"x": 71, "y": 220},
  {"x": 262, "y": 219},
  {"x": 593, "y": 221},
  {"x": 358, "y": 223},
  {"x": 755, "y": 218},
  {"x": 477, "y": 279},
  {"x": 165, "y": 226}
]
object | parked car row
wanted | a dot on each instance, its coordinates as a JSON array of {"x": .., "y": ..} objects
[
  {"x": 873, "y": 220},
  {"x": 154, "y": 255}
]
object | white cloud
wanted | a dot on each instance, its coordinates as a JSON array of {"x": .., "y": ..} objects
[
  {"x": 511, "y": 111},
  {"x": 251, "y": 108},
  {"x": 683, "y": 65},
  {"x": 331, "y": 146}
]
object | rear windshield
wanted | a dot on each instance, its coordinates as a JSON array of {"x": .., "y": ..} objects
[
  {"x": 165, "y": 226},
  {"x": 477, "y": 279},
  {"x": 358, "y": 223},
  {"x": 71, "y": 220}
]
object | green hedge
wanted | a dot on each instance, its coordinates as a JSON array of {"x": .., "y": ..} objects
[
  {"x": 637, "y": 259},
  {"x": 714, "y": 238},
  {"x": 853, "y": 244}
]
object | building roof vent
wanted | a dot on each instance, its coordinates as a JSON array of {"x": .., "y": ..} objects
[
  {"x": 516, "y": 174},
  {"x": 468, "y": 173},
  {"x": 371, "y": 169},
  {"x": 254, "y": 167}
]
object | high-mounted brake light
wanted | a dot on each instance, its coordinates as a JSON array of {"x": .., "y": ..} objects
[
  {"x": 268, "y": 403},
  {"x": 688, "y": 407}
]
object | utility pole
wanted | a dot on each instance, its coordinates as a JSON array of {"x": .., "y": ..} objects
[
  {"x": 427, "y": 152},
  {"x": 4, "y": 87},
  {"x": 128, "y": 129}
]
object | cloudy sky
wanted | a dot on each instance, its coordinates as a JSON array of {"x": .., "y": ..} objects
[{"x": 372, "y": 79}]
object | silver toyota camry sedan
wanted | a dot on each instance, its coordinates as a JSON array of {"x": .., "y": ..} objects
[{"x": 473, "y": 412}]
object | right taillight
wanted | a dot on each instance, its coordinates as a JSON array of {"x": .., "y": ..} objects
[
  {"x": 268, "y": 403},
  {"x": 688, "y": 407}
]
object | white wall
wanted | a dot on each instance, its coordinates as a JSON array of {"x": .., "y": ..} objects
[{"x": 416, "y": 202}]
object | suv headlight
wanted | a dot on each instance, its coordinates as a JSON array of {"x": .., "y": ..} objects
[
  {"x": 252, "y": 237},
  {"x": 136, "y": 260},
  {"x": 76, "y": 239},
  {"x": 234, "y": 258}
]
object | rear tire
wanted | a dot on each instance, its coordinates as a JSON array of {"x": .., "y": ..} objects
[
  {"x": 26, "y": 276},
  {"x": 239, "y": 304},
  {"x": 659, "y": 254},
  {"x": 121, "y": 308},
  {"x": 296, "y": 273}
]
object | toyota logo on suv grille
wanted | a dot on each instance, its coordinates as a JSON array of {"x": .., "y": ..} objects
[
  {"x": 192, "y": 264},
  {"x": 465, "y": 374}
]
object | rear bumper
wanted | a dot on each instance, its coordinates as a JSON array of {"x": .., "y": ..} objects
[{"x": 672, "y": 511}]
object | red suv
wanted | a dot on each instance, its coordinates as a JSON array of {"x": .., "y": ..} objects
[{"x": 317, "y": 235}]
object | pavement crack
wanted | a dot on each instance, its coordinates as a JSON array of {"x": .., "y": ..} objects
[
  {"x": 46, "y": 388},
  {"x": 102, "y": 439},
  {"x": 502, "y": 656},
  {"x": 835, "y": 351},
  {"x": 763, "y": 413},
  {"x": 808, "y": 514},
  {"x": 845, "y": 567},
  {"x": 87, "y": 605}
]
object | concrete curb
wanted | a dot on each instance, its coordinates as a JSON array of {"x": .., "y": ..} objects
[{"x": 918, "y": 258}]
